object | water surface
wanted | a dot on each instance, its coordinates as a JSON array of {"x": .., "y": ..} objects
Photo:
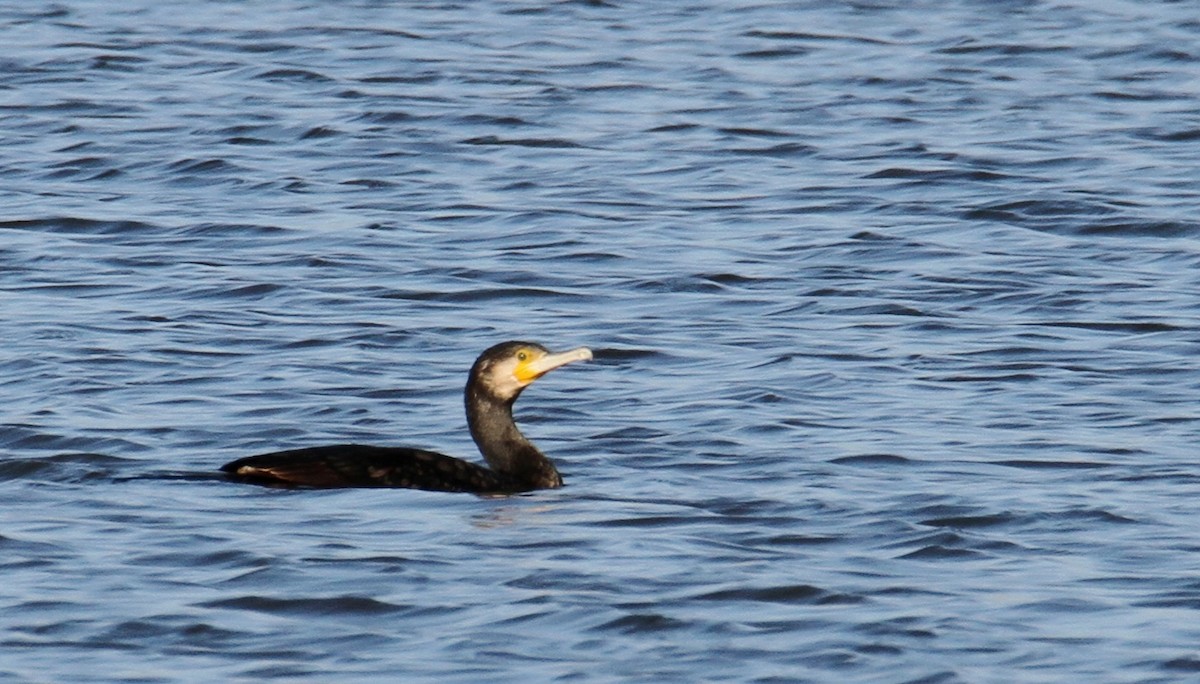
[{"x": 895, "y": 308}]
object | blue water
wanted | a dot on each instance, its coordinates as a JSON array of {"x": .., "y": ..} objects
[{"x": 895, "y": 307}]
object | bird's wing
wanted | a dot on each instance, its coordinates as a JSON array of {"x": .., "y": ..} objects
[{"x": 356, "y": 465}]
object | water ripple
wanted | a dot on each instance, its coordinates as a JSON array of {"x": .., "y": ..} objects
[{"x": 894, "y": 316}]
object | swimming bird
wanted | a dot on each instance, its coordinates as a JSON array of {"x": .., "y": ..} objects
[{"x": 514, "y": 464}]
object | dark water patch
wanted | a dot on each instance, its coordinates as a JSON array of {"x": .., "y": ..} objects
[
  {"x": 620, "y": 87},
  {"x": 938, "y": 175},
  {"x": 1075, "y": 217},
  {"x": 485, "y": 294},
  {"x": 256, "y": 291},
  {"x": 635, "y": 433},
  {"x": 773, "y": 53},
  {"x": 1066, "y": 606},
  {"x": 521, "y": 142},
  {"x": 17, "y": 553},
  {"x": 652, "y": 521},
  {"x": 494, "y": 120},
  {"x": 82, "y": 163},
  {"x": 320, "y": 133},
  {"x": 802, "y": 594},
  {"x": 370, "y": 184},
  {"x": 1117, "y": 326},
  {"x": 674, "y": 128},
  {"x": 1185, "y": 135},
  {"x": 390, "y": 563},
  {"x": 82, "y": 108},
  {"x": 108, "y": 174},
  {"x": 783, "y": 150},
  {"x": 991, "y": 379},
  {"x": 1086, "y": 516},
  {"x": 192, "y": 167},
  {"x": 781, "y": 359},
  {"x": 642, "y": 623},
  {"x": 303, "y": 75},
  {"x": 1036, "y": 464},
  {"x": 973, "y": 46},
  {"x": 77, "y": 225},
  {"x": 949, "y": 544},
  {"x": 207, "y": 474},
  {"x": 754, "y": 133},
  {"x": 944, "y": 677},
  {"x": 214, "y": 559},
  {"x": 1179, "y": 476},
  {"x": 737, "y": 280},
  {"x": 1182, "y": 664},
  {"x": 557, "y": 581},
  {"x": 874, "y": 237},
  {"x": 677, "y": 285},
  {"x": 763, "y": 397},
  {"x": 1019, "y": 210},
  {"x": 1185, "y": 595},
  {"x": 887, "y": 310},
  {"x": 247, "y": 140},
  {"x": 746, "y": 507},
  {"x": 62, "y": 468},
  {"x": 207, "y": 229},
  {"x": 972, "y": 521},
  {"x": 786, "y": 35},
  {"x": 349, "y": 605},
  {"x": 118, "y": 62},
  {"x": 940, "y": 552},
  {"x": 796, "y": 540},
  {"x": 627, "y": 354},
  {"x": 870, "y": 460},
  {"x": 388, "y": 117},
  {"x": 1161, "y": 229},
  {"x": 903, "y": 627},
  {"x": 311, "y": 343}
]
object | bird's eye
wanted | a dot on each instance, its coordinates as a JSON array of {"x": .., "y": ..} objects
[{"x": 522, "y": 356}]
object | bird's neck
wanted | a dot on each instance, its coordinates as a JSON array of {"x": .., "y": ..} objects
[{"x": 508, "y": 452}]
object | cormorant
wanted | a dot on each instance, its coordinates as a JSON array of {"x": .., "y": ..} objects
[{"x": 514, "y": 464}]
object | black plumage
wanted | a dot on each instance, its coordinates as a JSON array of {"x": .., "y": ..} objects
[{"x": 496, "y": 379}]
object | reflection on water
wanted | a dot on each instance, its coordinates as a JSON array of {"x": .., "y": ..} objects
[{"x": 509, "y": 516}]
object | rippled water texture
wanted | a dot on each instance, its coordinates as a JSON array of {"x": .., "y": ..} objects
[{"x": 895, "y": 306}]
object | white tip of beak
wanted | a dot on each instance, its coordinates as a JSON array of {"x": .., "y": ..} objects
[{"x": 551, "y": 361}]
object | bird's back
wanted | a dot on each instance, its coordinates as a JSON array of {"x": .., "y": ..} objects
[{"x": 357, "y": 465}]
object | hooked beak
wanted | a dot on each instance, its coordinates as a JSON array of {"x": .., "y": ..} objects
[{"x": 535, "y": 368}]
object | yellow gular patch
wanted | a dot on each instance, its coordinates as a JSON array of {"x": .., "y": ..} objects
[
  {"x": 533, "y": 363},
  {"x": 526, "y": 370}
]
